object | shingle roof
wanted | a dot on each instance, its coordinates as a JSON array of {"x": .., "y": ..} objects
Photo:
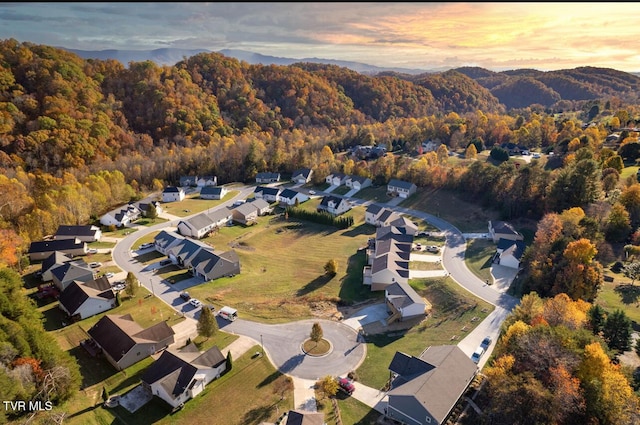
[
  {"x": 401, "y": 183},
  {"x": 68, "y": 230},
  {"x": 77, "y": 293},
  {"x": 55, "y": 245}
]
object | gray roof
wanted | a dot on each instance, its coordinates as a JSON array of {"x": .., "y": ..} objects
[
  {"x": 73, "y": 270},
  {"x": 401, "y": 183},
  {"x": 436, "y": 384},
  {"x": 374, "y": 209},
  {"x": 166, "y": 238},
  {"x": 55, "y": 259},
  {"x": 304, "y": 172},
  {"x": 260, "y": 203},
  {"x": 402, "y": 295},
  {"x": 299, "y": 417},
  {"x": 504, "y": 228},
  {"x": 171, "y": 189},
  {"x": 211, "y": 190},
  {"x": 88, "y": 230}
]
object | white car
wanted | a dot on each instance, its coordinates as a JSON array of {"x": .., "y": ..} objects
[
  {"x": 146, "y": 245},
  {"x": 92, "y": 251},
  {"x": 118, "y": 286},
  {"x": 312, "y": 192},
  {"x": 109, "y": 275},
  {"x": 195, "y": 302},
  {"x": 95, "y": 265}
]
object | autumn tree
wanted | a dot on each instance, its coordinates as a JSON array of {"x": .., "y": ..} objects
[
  {"x": 316, "y": 332},
  {"x": 632, "y": 271},
  {"x": 471, "y": 152},
  {"x": 618, "y": 224},
  {"x": 152, "y": 212},
  {"x": 331, "y": 267},
  {"x": 327, "y": 386},
  {"x": 207, "y": 323}
]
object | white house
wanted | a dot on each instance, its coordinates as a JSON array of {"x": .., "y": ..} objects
[
  {"x": 289, "y": 197},
  {"x": 503, "y": 230},
  {"x": 213, "y": 192},
  {"x": 205, "y": 181},
  {"x": 121, "y": 216},
  {"x": 334, "y": 205},
  {"x": 357, "y": 182},
  {"x": 86, "y": 233},
  {"x": 302, "y": 176},
  {"x": 172, "y": 194},
  {"x": 509, "y": 253},
  {"x": 269, "y": 194},
  {"x": 336, "y": 179},
  {"x": 401, "y": 188},
  {"x": 266, "y": 177},
  {"x": 82, "y": 300},
  {"x": 403, "y": 302},
  {"x": 178, "y": 376},
  {"x": 202, "y": 224}
]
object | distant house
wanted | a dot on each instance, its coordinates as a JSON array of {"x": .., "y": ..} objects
[
  {"x": 188, "y": 181},
  {"x": 334, "y": 205},
  {"x": 82, "y": 300},
  {"x": 503, "y": 230},
  {"x": 246, "y": 214},
  {"x": 145, "y": 206},
  {"x": 202, "y": 224},
  {"x": 124, "y": 342},
  {"x": 371, "y": 214},
  {"x": 289, "y": 196},
  {"x": 336, "y": 179},
  {"x": 403, "y": 302},
  {"x": 54, "y": 260},
  {"x": 86, "y": 233},
  {"x": 205, "y": 181},
  {"x": 40, "y": 250},
  {"x": 430, "y": 146},
  {"x": 302, "y": 176},
  {"x": 425, "y": 389},
  {"x": 121, "y": 216},
  {"x": 302, "y": 417},
  {"x": 262, "y": 206},
  {"x": 509, "y": 253},
  {"x": 269, "y": 194},
  {"x": 213, "y": 192},
  {"x": 71, "y": 271},
  {"x": 357, "y": 182},
  {"x": 267, "y": 177},
  {"x": 172, "y": 194},
  {"x": 178, "y": 376},
  {"x": 401, "y": 188}
]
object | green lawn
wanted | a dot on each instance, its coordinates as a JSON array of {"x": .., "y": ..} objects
[
  {"x": 466, "y": 216},
  {"x": 374, "y": 193},
  {"x": 193, "y": 204},
  {"x": 621, "y": 294},
  {"x": 455, "y": 312},
  {"x": 478, "y": 257},
  {"x": 350, "y": 411}
]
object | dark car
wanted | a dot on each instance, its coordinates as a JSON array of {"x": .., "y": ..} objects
[
  {"x": 346, "y": 385},
  {"x": 185, "y": 296}
]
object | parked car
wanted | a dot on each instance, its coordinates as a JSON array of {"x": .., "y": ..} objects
[
  {"x": 95, "y": 265},
  {"x": 535, "y": 155},
  {"x": 92, "y": 251},
  {"x": 486, "y": 342},
  {"x": 119, "y": 287},
  {"x": 418, "y": 247},
  {"x": 312, "y": 192},
  {"x": 433, "y": 248},
  {"x": 165, "y": 262},
  {"x": 146, "y": 245},
  {"x": 109, "y": 275},
  {"x": 477, "y": 354},
  {"x": 195, "y": 302},
  {"x": 185, "y": 295},
  {"x": 346, "y": 385}
]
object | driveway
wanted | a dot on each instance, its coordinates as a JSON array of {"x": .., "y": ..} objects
[{"x": 374, "y": 313}]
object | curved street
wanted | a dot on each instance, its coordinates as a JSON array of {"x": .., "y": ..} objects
[{"x": 282, "y": 342}]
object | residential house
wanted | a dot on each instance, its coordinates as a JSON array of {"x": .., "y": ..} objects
[
  {"x": 509, "y": 253},
  {"x": 172, "y": 194},
  {"x": 188, "y": 181},
  {"x": 51, "y": 262},
  {"x": 261, "y": 205},
  {"x": 202, "y": 224},
  {"x": 407, "y": 226},
  {"x": 371, "y": 214},
  {"x": 302, "y": 176},
  {"x": 81, "y": 300},
  {"x": 269, "y": 194},
  {"x": 213, "y": 192},
  {"x": 205, "y": 181},
  {"x": 178, "y": 376},
  {"x": 403, "y": 302},
  {"x": 121, "y": 216},
  {"x": 86, "y": 233},
  {"x": 246, "y": 214},
  {"x": 387, "y": 258},
  {"x": 357, "y": 182},
  {"x": 40, "y": 250},
  {"x": 71, "y": 271},
  {"x": 267, "y": 177},
  {"x": 289, "y": 197},
  {"x": 503, "y": 230},
  {"x": 401, "y": 188},
  {"x": 196, "y": 256},
  {"x": 334, "y": 205},
  {"x": 303, "y": 417},
  {"x": 425, "y": 389},
  {"x": 145, "y": 206},
  {"x": 430, "y": 146},
  {"x": 124, "y": 342},
  {"x": 336, "y": 179}
]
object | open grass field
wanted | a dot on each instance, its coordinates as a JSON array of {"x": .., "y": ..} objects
[
  {"x": 455, "y": 312},
  {"x": 374, "y": 193},
  {"x": 192, "y": 204},
  {"x": 282, "y": 267},
  {"x": 466, "y": 216},
  {"x": 478, "y": 257},
  {"x": 621, "y": 294}
]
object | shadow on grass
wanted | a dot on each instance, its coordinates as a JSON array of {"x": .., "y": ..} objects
[
  {"x": 269, "y": 379},
  {"x": 258, "y": 415},
  {"x": 352, "y": 289},
  {"x": 53, "y": 319},
  {"x": 382, "y": 340},
  {"x": 316, "y": 283},
  {"x": 92, "y": 369},
  {"x": 629, "y": 294},
  {"x": 363, "y": 229},
  {"x": 150, "y": 413}
]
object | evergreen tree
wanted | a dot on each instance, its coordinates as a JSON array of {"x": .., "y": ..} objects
[
  {"x": 617, "y": 331},
  {"x": 596, "y": 319},
  {"x": 131, "y": 284},
  {"x": 229, "y": 361},
  {"x": 152, "y": 213},
  {"x": 207, "y": 324}
]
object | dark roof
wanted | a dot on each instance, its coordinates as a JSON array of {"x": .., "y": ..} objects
[
  {"x": 374, "y": 209},
  {"x": 56, "y": 258},
  {"x": 304, "y": 172},
  {"x": 267, "y": 175},
  {"x": 72, "y": 270},
  {"x": 288, "y": 193},
  {"x": 55, "y": 245},
  {"x": 515, "y": 248},
  {"x": 171, "y": 189},
  {"x": 77, "y": 293},
  {"x": 504, "y": 228},
  {"x": 268, "y": 190},
  {"x": 401, "y": 183},
  {"x": 328, "y": 198},
  {"x": 88, "y": 230},
  {"x": 211, "y": 190},
  {"x": 295, "y": 417}
]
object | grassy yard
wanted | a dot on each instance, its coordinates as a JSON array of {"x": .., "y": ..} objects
[
  {"x": 454, "y": 313},
  {"x": 466, "y": 216},
  {"x": 621, "y": 294},
  {"x": 350, "y": 411},
  {"x": 374, "y": 193},
  {"x": 478, "y": 257},
  {"x": 425, "y": 265},
  {"x": 282, "y": 267},
  {"x": 341, "y": 190},
  {"x": 193, "y": 204}
]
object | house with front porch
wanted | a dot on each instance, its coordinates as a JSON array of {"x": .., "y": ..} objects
[
  {"x": 334, "y": 205},
  {"x": 205, "y": 181},
  {"x": 336, "y": 179},
  {"x": 180, "y": 375},
  {"x": 288, "y": 197},
  {"x": 124, "y": 342},
  {"x": 401, "y": 188},
  {"x": 357, "y": 182}
]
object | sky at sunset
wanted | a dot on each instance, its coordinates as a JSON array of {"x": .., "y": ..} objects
[{"x": 496, "y": 36}]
